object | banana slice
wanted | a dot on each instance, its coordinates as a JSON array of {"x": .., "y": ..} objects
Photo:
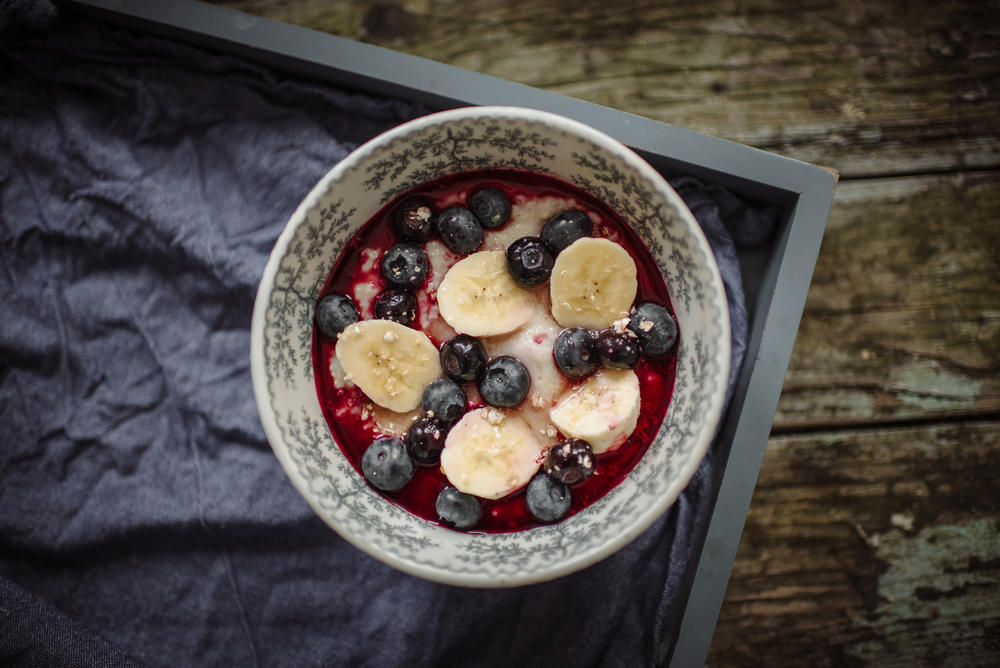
[
  {"x": 490, "y": 454},
  {"x": 478, "y": 296},
  {"x": 389, "y": 362},
  {"x": 603, "y": 411},
  {"x": 593, "y": 284},
  {"x": 391, "y": 423}
]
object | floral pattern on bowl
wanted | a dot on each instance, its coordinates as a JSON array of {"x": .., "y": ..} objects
[{"x": 354, "y": 190}]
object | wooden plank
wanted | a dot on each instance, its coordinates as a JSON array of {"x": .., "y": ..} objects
[
  {"x": 869, "y": 88},
  {"x": 879, "y": 547},
  {"x": 903, "y": 315}
]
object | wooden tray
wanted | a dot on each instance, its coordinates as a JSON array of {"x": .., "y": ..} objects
[{"x": 775, "y": 277}]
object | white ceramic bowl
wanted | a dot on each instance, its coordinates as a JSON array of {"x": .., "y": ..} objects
[{"x": 353, "y": 191}]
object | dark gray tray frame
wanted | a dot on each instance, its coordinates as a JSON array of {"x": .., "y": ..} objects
[{"x": 776, "y": 278}]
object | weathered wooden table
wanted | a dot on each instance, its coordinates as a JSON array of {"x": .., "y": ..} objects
[{"x": 873, "y": 536}]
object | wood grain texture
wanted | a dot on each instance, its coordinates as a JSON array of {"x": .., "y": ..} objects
[
  {"x": 868, "y": 88},
  {"x": 872, "y": 546},
  {"x": 903, "y": 315}
]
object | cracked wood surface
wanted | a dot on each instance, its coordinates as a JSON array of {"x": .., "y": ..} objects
[
  {"x": 903, "y": 315},
  {"x": 873, "y": 536},
  {"x": 877, "y": 546},
  {"x": 868, "y": 88}
]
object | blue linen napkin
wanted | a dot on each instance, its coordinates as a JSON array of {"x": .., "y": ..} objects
[{"x": 142, "y": 512}]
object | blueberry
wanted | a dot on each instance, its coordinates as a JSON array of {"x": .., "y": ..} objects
[
  {"x": 564, "y": 228},
  {"x": 405, "y": 265},
  {"x": 505, "y": 382},
  {"x": 425, "y": 439},
  {"x": 386, "y": 464},
  {"x": 413, "y": 219},
  {"x": 459, "y": 230},
  {"x": 444, "y": 399},
  {"x": 529, "y": 261},
  {"x": 490, "y": 207},
  {"x": 548, "y": 499},
  {"x": 334, "y": 313},
  {"x": 570, "y": 462},
  {"x": 463, "y": 358},
  {"x": 618, "y": 350},
  {"x": 655, "y": 327},
  {"x": 396, "y": 304},
  {"x": 575, "y": 352},
  {"x": 461, "y": 511}
]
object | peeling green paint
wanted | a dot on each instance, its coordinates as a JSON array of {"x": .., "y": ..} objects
[
  {"x": 928, "y": 386},
  {"x": 941, "y": 583}
]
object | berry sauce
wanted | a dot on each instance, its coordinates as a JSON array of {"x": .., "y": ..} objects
[{"x": 345, "y": 408}]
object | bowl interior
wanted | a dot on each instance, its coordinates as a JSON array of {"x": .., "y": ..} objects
[{"x": 353, "y": 191}]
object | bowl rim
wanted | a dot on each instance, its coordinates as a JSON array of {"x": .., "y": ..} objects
[{"x": 577, "y": 561}]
